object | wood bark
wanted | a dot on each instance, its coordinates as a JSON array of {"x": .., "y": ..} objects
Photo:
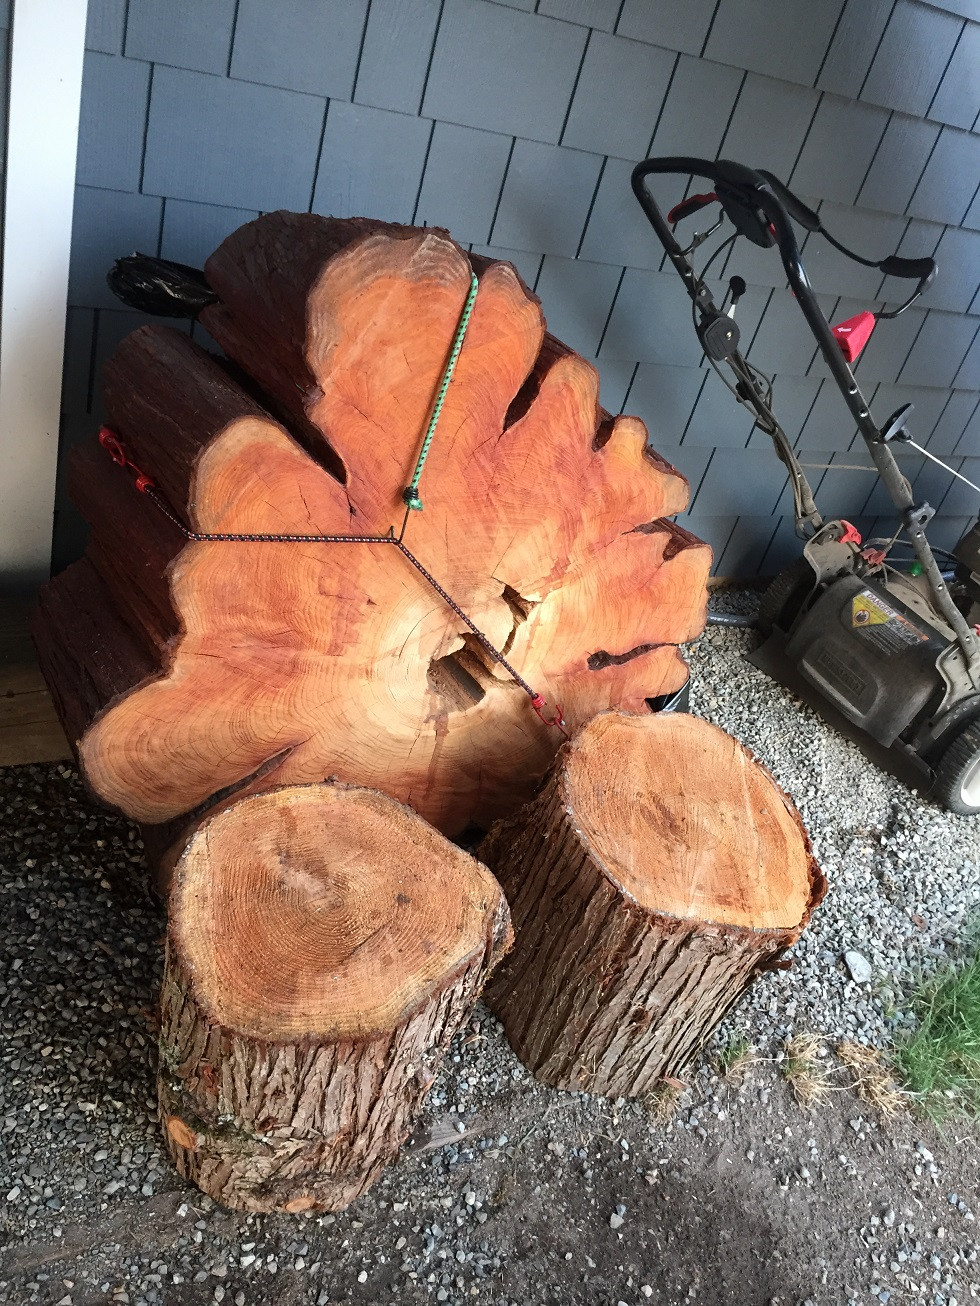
[
  {"x": 324, "y": 946},
  {"x": 87, "y": 653},
  {"x": 658, "y": 872},
  {"x": 546, "y": 520}
]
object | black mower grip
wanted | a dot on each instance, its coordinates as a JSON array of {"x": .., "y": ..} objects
[
  {"x": 755, "y": 201},
  {"x": 794, "y": 206},
  {"x": 912, "y": 269}
]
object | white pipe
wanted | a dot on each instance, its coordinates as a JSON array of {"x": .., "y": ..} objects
[{"x": 46, "y": 54}]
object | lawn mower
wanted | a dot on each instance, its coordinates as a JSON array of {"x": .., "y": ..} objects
[{"x": 891, "y": 649}]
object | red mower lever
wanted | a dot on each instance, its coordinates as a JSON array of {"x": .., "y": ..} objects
[
  {"x": 689, "y": 206},
  {"x": 851, "y": 534},
  {"x": 853, "y": 334}
]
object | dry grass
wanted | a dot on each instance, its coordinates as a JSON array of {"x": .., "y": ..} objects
[
  {"x": 872, "y": 1079},
  {"x": 662, "y": 1102},
  {"x": 802, "y": 1069},
  {"x": 811, "y": 1079}
]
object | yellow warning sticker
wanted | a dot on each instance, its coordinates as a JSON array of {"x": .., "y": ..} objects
[
  {"x": 882, "y": 624},
  {"x": 865, "y": 611}
]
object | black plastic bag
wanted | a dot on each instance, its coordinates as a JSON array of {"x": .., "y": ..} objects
[{"x": 158, "y": 286}]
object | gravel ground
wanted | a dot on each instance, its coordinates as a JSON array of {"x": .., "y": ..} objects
[
  {"x": 509, "y": 1194},
  {"x": 904, "y": 874}
]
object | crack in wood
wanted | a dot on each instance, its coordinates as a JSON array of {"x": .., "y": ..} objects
[
  {"x": 600, "y": 660},
  {"x": 163, "y": 835},
  {"x": 454, "y": 683},
  {"x": 520, "y": 609}
]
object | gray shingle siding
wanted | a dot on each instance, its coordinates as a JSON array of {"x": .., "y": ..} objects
[
  {"x": 516, "y": 124},
  {"x": 505, "y": 71},
  {"x": 301, "y": 45},
  {"x": 395, "y": 54},
  {"x": 545, "y": 198},
  {"x": 618, "y": 97},
  {"x": 182, "y": 33},
  {"x": 242, "y": 157},
  {"x": 115, "y": 93},
  {"x": 105, "y": 26},
  {"x": 371, "y": 163}
]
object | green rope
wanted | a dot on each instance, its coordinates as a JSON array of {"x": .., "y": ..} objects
[{"x": 411, "y": 491}]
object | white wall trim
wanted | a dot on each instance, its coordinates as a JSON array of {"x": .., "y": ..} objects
[{"x": 46, "y": 54}]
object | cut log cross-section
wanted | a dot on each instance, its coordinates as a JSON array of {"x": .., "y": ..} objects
[
  {"x": 658, "y": 872},
  {"x": 324, "y": 946},
  {"x": 544, "y": 519}
]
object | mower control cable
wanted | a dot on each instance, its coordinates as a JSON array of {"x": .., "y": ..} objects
[
  {"x": 923, "y": 270},
  {"x": 753, "y": 388},
  {"x": 945, "y": 466}
]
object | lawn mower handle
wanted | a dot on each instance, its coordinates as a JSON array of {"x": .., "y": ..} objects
[
  {"x": 751, "y": 201},
  {"x": 768, "y": 194}
]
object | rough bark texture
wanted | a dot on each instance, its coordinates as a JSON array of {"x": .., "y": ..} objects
[
  {"x": 87, "y": 653},
  {"x": 291, "y": 1068},
  {"x": 604, "y": 992},
  {"x": 546, "y": 520},
  {"x": 265, "y": 1127}
]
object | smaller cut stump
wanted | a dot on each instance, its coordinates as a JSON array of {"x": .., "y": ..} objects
[
  {"x": 324, "y": 946},
  {"x": 660, "y": 869}
]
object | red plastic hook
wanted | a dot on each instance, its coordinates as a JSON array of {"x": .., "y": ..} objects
[
  {"x": 558, "y": 720},
  {"x": 110, "y": 443},
  {"x": 116, "y": 450},
  {"x": 853, "y": 334}
]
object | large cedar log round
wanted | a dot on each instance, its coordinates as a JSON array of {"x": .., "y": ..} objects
[
  {"x": 324, "y": 946},
  {"x": 660, "y": 869},
  {"x": 544, "y": 517}
]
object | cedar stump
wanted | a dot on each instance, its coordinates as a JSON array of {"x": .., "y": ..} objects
[
  {"x": 660, "y": 869},
  {"x": 324, "y": 946}
]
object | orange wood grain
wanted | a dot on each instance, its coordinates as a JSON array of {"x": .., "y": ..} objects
[{"x": 543, "y": 519}]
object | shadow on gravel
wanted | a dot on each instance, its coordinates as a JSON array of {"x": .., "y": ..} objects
[
  {"x": 710, "y": 1241},
  {"x": 79, "y": 939},
  {"x": 697, "y": 1235}
]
